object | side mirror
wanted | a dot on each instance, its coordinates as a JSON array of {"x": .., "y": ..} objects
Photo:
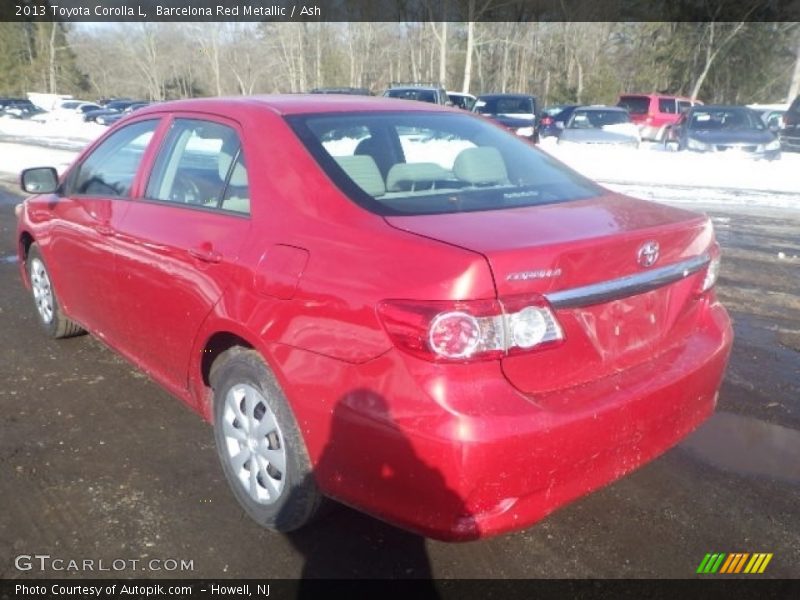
[{"x": 39, "y": 180}]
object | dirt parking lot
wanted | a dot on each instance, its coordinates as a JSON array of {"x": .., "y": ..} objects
[{"x": 97, "y": 462}]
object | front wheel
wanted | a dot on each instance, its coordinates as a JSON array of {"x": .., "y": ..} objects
[
  {"x": 259, "y": 443},
  {"x": 48, "y": 309}
]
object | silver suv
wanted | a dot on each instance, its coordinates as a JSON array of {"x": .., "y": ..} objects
[{"x": 423, "y": 92}]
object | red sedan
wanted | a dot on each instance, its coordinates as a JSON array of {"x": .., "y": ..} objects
[{"x": 395, "y": 305}]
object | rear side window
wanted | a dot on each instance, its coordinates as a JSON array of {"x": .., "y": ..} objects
[
  {"x": 111, "y": 167},
  {"x": 666, "y": 105},
  {"x": 636, "y": 105},
  {"x": 411, "y": 163},
  {"x": 201, "y": 164},
  {"x": 684, "y": 105}
]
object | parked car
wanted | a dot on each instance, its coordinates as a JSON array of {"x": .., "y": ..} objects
[
  {"x": 600, "y": 125},
  {"x": 458, "y": 346},
  {"x": 654, "y": 113},
  {"x": 516, "y": 112},
  {"x": 111, "y": 118},
  {"x": 734, "y": 129},
  {"x": 790, "y": 130},
  {"x": 18, "y": 108},
  {"x": 73, "y": 110},
  {"x": 461, "y": 100},
  {"x": 772, "y": 118},
  {"x": 355, "y": 91},
  {"x": 554, "y": 119},
  {"x": 112, "y": 107},
  {"x": 422, "y": 92}
]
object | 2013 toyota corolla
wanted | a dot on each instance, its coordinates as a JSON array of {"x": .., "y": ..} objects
[{"x": 398, "y": 306}]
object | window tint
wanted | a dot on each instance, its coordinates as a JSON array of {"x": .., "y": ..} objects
[
  {"x": 666, "y": 105},
  {"x": 595, "y": 119},
  {"x": 636, "y": 105},
  {"x": 201, "y": 164},
  {"x": 110, "y": 169},
  {"x": 684, "y": 105},
  {"x": 505, "y": 106},
  {"x": 709, "y": 119},
  {"x": 417, "y": 163}
]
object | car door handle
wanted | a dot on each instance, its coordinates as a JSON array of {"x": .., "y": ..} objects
[
  {"x": 104, "y": 229},
  {"x": 206, "y": 255}
]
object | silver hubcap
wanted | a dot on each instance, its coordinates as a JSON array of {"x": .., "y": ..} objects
[
  {"x": 42, "y": 290},
  {"x": 254, "y": 443}
]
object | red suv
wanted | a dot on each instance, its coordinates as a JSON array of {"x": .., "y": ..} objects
[
  {"x": 400, "y": 306},
  {"x": 654, "y": 113}
]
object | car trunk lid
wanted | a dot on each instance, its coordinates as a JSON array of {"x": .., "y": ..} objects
[{"x": 592, "y": 260}]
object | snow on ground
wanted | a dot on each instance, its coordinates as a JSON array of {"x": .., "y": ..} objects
[
  {"x": 15, "y": 157},
  {"x": 649, "y": 172},
  {"x": 652, "y": 165},
  {"x": 67, "y": 133}
]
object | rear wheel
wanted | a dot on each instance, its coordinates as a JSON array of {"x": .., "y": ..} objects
[
  {"x": 259, "y": 443},
  {"x": 48, "y": 309}
]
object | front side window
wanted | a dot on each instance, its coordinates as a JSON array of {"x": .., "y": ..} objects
[
  {"x": 110, "y": 169},
  {"x": 202, "y": 164},
  {"x": 404, "y": 163}
]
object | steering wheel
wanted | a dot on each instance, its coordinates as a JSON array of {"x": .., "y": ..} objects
[{"x": 185, "y": 190}]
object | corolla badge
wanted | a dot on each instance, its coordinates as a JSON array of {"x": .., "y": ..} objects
[
  {"x": 648, "y": 254},
  {"x": 536, "y": 274}
]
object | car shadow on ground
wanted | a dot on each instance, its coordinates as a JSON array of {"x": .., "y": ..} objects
[{"x": 347, "y": 543}]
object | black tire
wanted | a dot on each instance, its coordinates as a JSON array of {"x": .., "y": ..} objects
[
  {"x": 299, "y": 498},
  {"x": 58, "y": 326}
]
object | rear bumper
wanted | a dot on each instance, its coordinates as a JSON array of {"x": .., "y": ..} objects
[
  {"x": 456, "y": 453},
  {"x": 790, "y": 141}
]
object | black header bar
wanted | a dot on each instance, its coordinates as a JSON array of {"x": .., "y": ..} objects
[{"x": 399, "y": 10}]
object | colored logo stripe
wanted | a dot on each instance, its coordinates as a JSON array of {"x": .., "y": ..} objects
[{"x": 734, "y": 562}]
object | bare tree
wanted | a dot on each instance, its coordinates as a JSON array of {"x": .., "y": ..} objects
[
  {"x": 794, "y": 86},
  {"x": 713, "y": 47}
]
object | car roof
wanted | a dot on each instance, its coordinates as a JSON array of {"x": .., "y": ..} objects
[
  {"x": 720, "y": 107},
  {"x": 655, "y": 96},
  {"x": 294, "y": 104},
  {"x": 602, "y": 107},
  {"x": 482, "y": 96}
]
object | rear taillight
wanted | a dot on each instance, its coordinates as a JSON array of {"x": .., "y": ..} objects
[
  {"x": 712, "y": 273},
  {"x": 712, "y": 270},
  {"x": 463, "y": 331}
]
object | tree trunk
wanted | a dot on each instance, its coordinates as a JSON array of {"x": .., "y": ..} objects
[
  {"x": 443, "y": 56},
  {"x": 711, "y": 54},
  {"x": 470, "y": 44},
  {"x": 504, "y": 75},
  {"x": 52, "y": 59},
  {"x": 794, "y": 86}
]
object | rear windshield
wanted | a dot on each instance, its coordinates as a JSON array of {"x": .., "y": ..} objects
[
  {"x": 636, "y": 105},
  {"x": 597, "y": 119},
  {"x": 413, "y": 94},
  {"x": 411, "y": 163},
  {"x": 507, "y": 105}
]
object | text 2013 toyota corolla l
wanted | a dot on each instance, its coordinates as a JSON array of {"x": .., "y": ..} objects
[{"x": 398, "y": 306}]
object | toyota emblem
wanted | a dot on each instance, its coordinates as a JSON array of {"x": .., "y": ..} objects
[{"x": 648, "y": 254}]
